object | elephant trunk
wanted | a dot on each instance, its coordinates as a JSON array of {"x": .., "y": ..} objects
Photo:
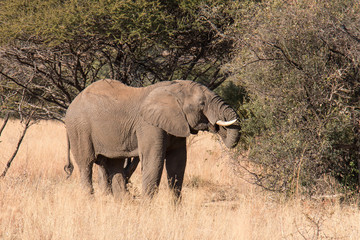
[
  {"x": 219, "y": 110},
  {"x": 230, "y": 134}
]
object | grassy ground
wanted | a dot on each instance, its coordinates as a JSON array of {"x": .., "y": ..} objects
[{"x": 37, "y": 202}]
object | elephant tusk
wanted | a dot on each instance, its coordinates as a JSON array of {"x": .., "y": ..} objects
[{"x": 226, "y": 123}]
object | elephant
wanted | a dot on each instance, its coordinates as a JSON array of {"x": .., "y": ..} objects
[{"x": 115, "y": 126}]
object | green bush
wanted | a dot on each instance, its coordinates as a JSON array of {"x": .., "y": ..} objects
[{"x": 299, "y": 64}]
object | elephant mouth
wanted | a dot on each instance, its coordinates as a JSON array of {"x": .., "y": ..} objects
[
  {"x": 206, "y": 127},
  {"x": 199, "y": 127},
  {"x": 213, "y": 128},
  {"x": 193, "y": 131}
]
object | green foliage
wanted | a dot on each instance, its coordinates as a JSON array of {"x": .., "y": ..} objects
[
  {"x": 300, "y": 66},
  {"x": 189, "y": 34},
  {"x": 123, "y": 20},
  {"x": 234, "y": 95}
]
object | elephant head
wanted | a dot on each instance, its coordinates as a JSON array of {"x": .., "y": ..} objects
[{"x": 182, "y": 107}]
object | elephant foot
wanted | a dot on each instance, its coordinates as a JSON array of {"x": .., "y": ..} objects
[
  {"x": 105, "y": 190},
  {"x": 103, "y": 181},
  {"x": 87, "y": 191},
  {"x": 87, "y": 186},
  {"x": 118, "y": 186}
]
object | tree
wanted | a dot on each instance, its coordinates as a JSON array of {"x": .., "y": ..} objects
[{"x": 53, "y": 49}]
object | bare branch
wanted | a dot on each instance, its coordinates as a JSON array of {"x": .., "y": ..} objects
[{"x": 4, "y": 123}]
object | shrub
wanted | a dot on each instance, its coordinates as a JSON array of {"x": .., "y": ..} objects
[{"x": 299, "y": 64}]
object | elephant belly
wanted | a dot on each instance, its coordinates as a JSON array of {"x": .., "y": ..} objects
[
  {"x": 117, "y": 154},
  {"x": 115, "y": 144}
]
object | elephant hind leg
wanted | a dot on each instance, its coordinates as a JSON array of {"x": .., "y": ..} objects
[
  {"x": 85, "y": 161},
  {"x": 86, "y": 176},
  {"x": 83, "y": 152}
]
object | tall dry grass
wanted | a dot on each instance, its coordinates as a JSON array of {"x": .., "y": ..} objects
[{"x": 37, "y": 202}]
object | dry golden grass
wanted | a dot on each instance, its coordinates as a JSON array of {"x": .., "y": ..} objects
[{"x": 37, "y": 202}]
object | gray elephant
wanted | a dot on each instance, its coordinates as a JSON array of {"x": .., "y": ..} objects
[{"x": 108, "y": 123}]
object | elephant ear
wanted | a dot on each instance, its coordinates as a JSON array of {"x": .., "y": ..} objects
[{"x": 162, "y": 109}]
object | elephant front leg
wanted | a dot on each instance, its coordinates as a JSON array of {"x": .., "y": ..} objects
[
  {"x": 151, "y": 152},
  {"x": 175, "y": 166},
  {"x": 151, "y": 176},
  {"x": 112, "y": 176},
  {"x": 118, "y": 185},
  {"x": 117, "y": 177}
]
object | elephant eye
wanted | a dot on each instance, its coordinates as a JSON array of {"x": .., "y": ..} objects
[{"x": 202, "y": 105}]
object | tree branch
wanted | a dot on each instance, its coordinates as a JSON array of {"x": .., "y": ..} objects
[{"x": 4, "y": 123}]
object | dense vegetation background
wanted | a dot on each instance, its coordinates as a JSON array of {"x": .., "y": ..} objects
[{"x": 290, "y": 68}]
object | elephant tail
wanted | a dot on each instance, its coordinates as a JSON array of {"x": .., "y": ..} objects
[{"x": 69, "y": 167}]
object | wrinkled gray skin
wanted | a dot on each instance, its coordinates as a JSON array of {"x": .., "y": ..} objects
[{"x": 109, "y": 123}]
